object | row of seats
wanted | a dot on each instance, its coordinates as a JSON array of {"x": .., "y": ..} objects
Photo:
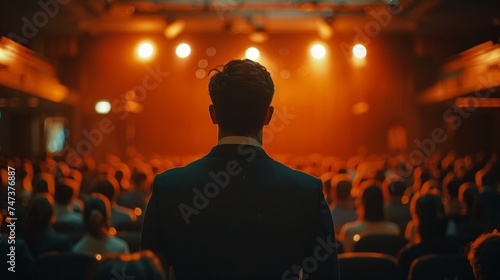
[
  {"x": 353, "y": 266},
  {"x": 376, "y": 266}
]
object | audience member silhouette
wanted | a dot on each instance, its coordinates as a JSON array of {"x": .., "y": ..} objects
[
  {"x": 397, "y": 206},
  {"x": 484, "y": 256},
  {"x": 65, "y": 194},
  {"x": 40, "y": 236},
  {"x": 343, "y": 210},
  {"x": 98, "y": 238},
  {"x": 372, "y": 219},
  {"x": 432, "y": 227},
  {"x": 121, "y": 217}
]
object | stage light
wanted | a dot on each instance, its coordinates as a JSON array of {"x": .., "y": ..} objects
[
  {"x": 252, "y": 53},
  {"x": 174, "y": 29},
  {"x": 145, "y": 50},
  {"x": 183, "y": 50},
  {"x": 318, "y": 51},
  {"x": 102, "y": 107},
  {"x": 359, "y": 51}
]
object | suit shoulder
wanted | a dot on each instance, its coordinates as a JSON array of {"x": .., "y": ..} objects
[{"x": 176, "y": 171}]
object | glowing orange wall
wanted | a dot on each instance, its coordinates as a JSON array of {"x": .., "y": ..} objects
[{"x": 318, "y": 96}]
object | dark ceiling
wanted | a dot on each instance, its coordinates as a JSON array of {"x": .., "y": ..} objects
[{"x": 245, "y": 16}]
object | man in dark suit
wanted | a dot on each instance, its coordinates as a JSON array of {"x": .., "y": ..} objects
[{"x": 236, "y": 213}]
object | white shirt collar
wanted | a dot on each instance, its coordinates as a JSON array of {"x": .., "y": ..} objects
[{"x": 239, "y": 140}]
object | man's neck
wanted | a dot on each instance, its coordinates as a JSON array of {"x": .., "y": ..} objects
[{"x": 257, "y": 136}]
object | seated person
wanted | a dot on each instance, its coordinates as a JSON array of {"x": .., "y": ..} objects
[
  {"x": 432, "y": 226},
  {"x": 484, "y": 256},
  {"x": 97, "y": 239},
  {"x": 64, "y": 196},
  {"x": 120, "y": 216},
  {"x": 40, "y": 236},
  {"x": 371, "y": 212},
  {"x": 396, "y": 209},
  {"x": 452, "y": 206},
  {"x": 137, "y": 195},
  {"x": 343, "y": 210}
]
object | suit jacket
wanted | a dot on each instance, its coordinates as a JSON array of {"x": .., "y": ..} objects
[{"x": 238, "y": 214}]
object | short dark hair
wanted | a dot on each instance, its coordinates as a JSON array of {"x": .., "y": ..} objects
[
  {"x": 483, "y": 255},
  {"x": 373, "y": 203},
  {"x": 39, "y": 216},
  {"x": 107, "y": 188},
  {"x": 63, "y": 194},
  {"x": 241, "y": 94},
  {"x": 397, "y": 188}
]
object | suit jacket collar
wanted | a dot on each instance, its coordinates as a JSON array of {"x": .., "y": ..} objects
[{"x": 238, "y": 151}]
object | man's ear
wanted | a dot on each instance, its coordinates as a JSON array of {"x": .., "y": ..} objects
[
  {"x": 213, "y": 116},
  {"x": 269, "y": 115}
]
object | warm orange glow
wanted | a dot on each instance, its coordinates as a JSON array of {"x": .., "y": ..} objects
[
  {"x": 359, "y": 51},
  {"x": 137, "y": 211},
  {"x": 183, "y": 50},
  {"x": 174, "y": 29},
  {"x": 405, "y": 199},
  {"x": 360, "y": 108},
  {"x": 102, "y": 107},
  {"x": 356, "y": 237},
  {"x": 98, "y": 257},
  {"x": 318, "y": 51},
  {"x": 112, "y": 231},
  {"x": 145, "y": 50},
  {"x": 3, "y": 55},
  {"x": 252, "y": 53}
]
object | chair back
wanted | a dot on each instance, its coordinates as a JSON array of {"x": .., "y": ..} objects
[
  {"x": 368, "y": 266},
  {"x": 133, "y": 239},
  {"x": 381, "y": 243},
  {"x": 62, "y": 266},
  {"x": 439, "y": 267}
]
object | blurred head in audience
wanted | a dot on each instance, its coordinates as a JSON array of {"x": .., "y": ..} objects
[
  {"x": 96, "y": 215},
  {"x": 372, "y": 202},
  {"x": 122, "y": 176},
  {"x": 484, "y": 256},
  {"x": 66, "y": 191},
  {"x": 467, "y": 195},
  {"x": 241, "y": 95},
  {"x": 485, "y": 178},
  {"x": 140, "y": 265},
  {"x": 39, "y": 186},
  {"x": 395, "y": 189},
  {"x": 432, "y": 224},
  {"x": 108, "y": 187},
  {"x": 39, "y": 216},
  {"x": 451, "y": 187},
  {"x": 138, "y": 181},
  {"x": 340, "y": 188}
]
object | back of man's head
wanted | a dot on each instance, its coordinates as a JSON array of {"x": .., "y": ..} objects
[
  {"x": 341, "y": 185},
  {"x": 241, "y": 94},
  {"x": 484, "y": 256},
  {"x": 108, "y": 187},
  {"x": 63, "y": 194},
  {"x": 397, "y": 188}
]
